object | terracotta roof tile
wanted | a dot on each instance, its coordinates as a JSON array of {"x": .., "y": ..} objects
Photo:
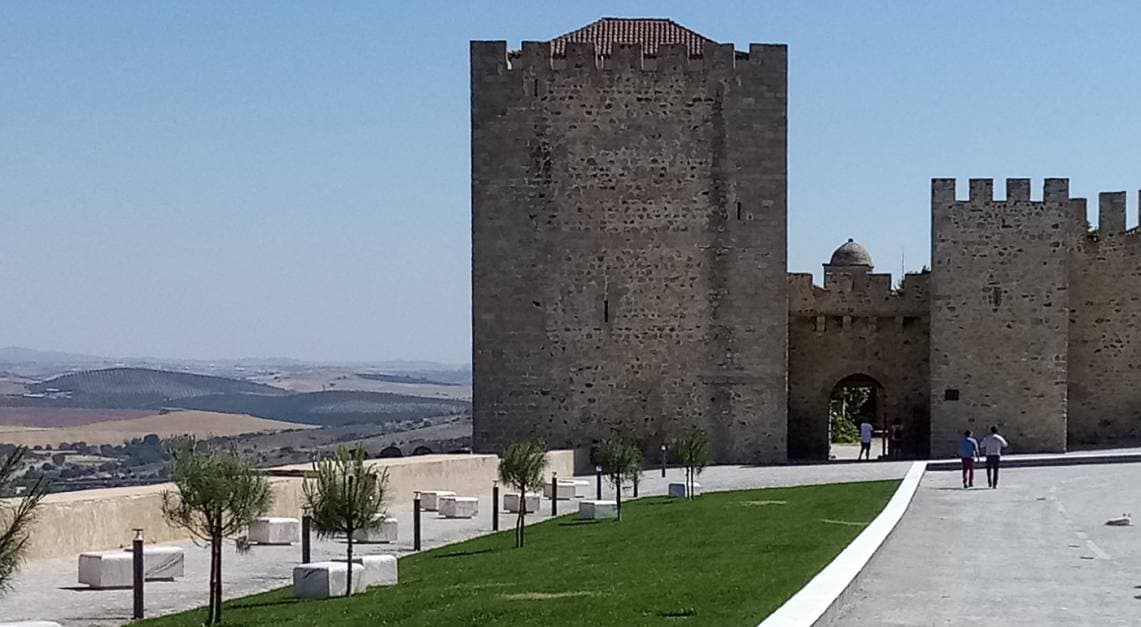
[{"x": 649, "y": 32}]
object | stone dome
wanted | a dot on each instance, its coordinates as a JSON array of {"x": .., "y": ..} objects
[{"x": 851, "y": 254}]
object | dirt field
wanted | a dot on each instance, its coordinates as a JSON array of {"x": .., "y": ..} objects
[
  {"x": 199, "y": 423},
  {"x": 65, "y": 416},
  {"x": 333, "y": 379},
  {"x": 14, "y": 385}
]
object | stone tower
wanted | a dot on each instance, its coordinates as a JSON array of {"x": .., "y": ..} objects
[
  {"x": 629, "y": 184},
  {"x": 1000, "y": 312}
]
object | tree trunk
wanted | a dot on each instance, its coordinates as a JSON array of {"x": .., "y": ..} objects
[
  {"x": 349, "y": 565},
  {"x": 215, "y": 609},
  {"x": 618, "y": 495},
  {"x": 213, "y": 576},
  {"x": 520, "y": 522},
  {"x": 218, "y": 581}
]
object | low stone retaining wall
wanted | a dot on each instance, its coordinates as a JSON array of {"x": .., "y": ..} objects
[{"x": 70, "y": 523}]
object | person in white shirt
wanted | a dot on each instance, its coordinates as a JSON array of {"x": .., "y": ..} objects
[
  {"x": 866, "y": 430},
  {"x": 992, "y": 446}
]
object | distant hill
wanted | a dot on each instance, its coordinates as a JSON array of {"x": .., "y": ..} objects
[
  {"x": 400, "y": 378},
  {"x": 138, "y": 388},
  {"x": 328, "y": 408}
]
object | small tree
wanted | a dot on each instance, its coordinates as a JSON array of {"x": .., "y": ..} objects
[
  {"x": 16, "y": 519},
  {"x": 345, "y": 495},
  {"x": 522, "y": 468},
  {"x": 620, "y": 459},
  {"x": 218, "y": 494},
  {"x": 695, "y": 454}
]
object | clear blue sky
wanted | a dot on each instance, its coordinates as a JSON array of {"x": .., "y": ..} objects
[{"x": 201, "y": 179}]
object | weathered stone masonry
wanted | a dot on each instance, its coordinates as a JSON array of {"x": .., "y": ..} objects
[
  {"x": 629, "y": 272},
  {"x": 629, "y": 245}
]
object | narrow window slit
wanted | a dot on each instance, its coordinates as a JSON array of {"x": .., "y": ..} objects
[
  {"x": 738, "y": 210},
  {"x": 606, "y": 310}
]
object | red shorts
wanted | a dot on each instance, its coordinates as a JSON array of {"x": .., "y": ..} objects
[{"x": 968, "y": 463}]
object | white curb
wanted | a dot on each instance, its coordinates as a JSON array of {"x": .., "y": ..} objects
[{"x": 807, "y": 607}]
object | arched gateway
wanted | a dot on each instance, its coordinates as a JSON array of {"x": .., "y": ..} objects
[{"x": 856, "y": 332}]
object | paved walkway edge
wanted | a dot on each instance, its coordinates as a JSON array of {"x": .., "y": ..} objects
[
  {"x": 1060, "y": 459},
  {"x": 810, "y": 605}
]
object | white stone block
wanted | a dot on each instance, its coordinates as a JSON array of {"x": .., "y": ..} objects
[
  {"x": 566, "y": 490},
  {"x": 430, "y": 499},
  {"x": 379, "y": 570},
  {"x": 321, "y": 580},
  {"x": 32, "y": 623},
  {"x": 596, "y": 510},
  {"x": 678, "y": 489},
  {"x": 267, "y": 530},
  {"x": 511, "y": 502},
  {"x": 384, "y": 531},
  {"x": 582, "y": 488},
  {"x": 115, "y": 569},
  {"x": 459, "y": 506}
]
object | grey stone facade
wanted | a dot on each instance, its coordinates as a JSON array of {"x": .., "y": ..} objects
[
  {"x": 629, "y": 273},
  {"x": 629, "y": 245}
]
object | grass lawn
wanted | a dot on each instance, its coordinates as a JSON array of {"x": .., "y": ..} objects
[{"x": 725, "y": 558}]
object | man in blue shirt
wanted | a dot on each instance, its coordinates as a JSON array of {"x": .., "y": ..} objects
[{"x": 968, "y": 452}]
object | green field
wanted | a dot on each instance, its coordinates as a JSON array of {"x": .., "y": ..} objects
[{"x": 726, "y": 558}]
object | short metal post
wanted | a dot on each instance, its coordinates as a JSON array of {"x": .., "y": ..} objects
[
  {"x": 416, "y": 522},
  {"x": 636, "y": 485},
  {"x": 495, "y": 506},
  {"x": 139, "y": 574},
  {"x": 663, "y": 461},
  {"x": 598, "y": 482},
  {"x": 554, "y": 494},
  {"x": 306, "y": 527}
]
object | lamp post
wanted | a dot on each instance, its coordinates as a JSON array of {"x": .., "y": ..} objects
[
  {"x": 138, "y": 574},
  {"x": 416, "y": 520},
  {"x": 663, "y": 461},
  {"x": 598, "y": 482},
  {"x": 554, "y": 494},
  {"x": 495, "y": 506},
  {"x": 306, "y": 527}
]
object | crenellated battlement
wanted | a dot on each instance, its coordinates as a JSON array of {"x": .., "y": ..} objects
[
  {"x": 537, "y": 58},
  {"x": 981, "y": 191},
  {"x": 866, "y": 295}
]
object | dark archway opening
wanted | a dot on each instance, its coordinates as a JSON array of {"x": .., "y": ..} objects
[{"x": 855, "y": 400}]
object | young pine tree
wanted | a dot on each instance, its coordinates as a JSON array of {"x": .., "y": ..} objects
[
  {"x": 621, "y": 459},
  {"x": 345, "y": 495},
  {"x": 218, "y": 495},
  {"x": 522, "y": 467},
  {"x": 695, "y": 453}
]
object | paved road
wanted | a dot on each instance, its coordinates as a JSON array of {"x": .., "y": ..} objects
[
  {"x": 1035, "y": 551},
  {"x": 47, "y": 590}
]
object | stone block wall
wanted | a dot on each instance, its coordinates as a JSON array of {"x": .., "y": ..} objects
[
  {"x": 858, "y": 325},
  {"x": 1105, "y": 331},
  {"x": 629, "y": 246},
  {"x": 1000, "y": 312}
]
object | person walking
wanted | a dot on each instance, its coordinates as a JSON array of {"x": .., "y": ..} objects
[
  {"x": 992, "y": 446},
  {"x": 968, "y": 453},
  {"x": 896, "y": 451},
  {"x": 866, "y": 430}
]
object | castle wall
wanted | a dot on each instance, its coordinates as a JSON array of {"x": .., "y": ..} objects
[
  {"x": 1000, "y": 313},
  {"x": 1105, "y": 347},
  {"x": 629, "y": 246},
  {"x": 858, "y": 326}
]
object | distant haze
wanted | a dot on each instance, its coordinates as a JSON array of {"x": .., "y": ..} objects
[{"x": 219, "y": 180}]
